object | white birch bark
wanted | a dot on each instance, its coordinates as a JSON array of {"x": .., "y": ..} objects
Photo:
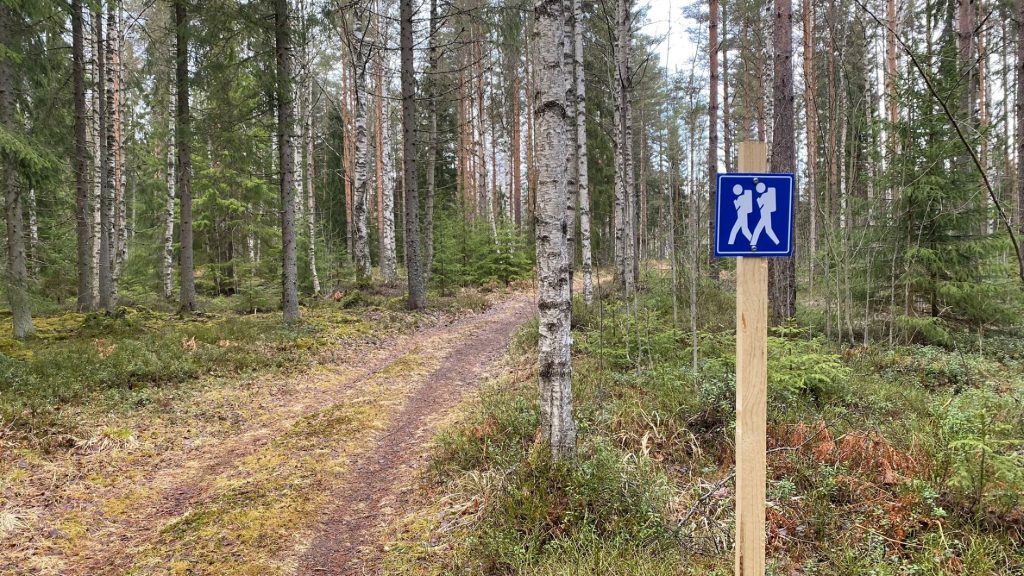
[
  {"x": 581, "y": 153},
  {"x": 120, "y": 238},
  {"x": 95, "y": 103},
  {"x": 572, "y": 146},
  {"x": 361, "y": 189},
  {"x": 169, "y": 200},
  {"x": 310, "y": 174},
  {"x": 33, "y": 233},
  {"x": 388, "y": 265},
  {"x": 558, "y": 428}
]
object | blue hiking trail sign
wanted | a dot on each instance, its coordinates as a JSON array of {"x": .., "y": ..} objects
[{"x": 754, "y": 215}]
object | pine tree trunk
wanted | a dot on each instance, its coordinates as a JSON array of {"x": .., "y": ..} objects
[
  {"x": 712, "y": 134},
  {"x": 17, "y": 271},
  {"x": 726, "y": 122},
  {"x": 558, "y": 429},
  {"x": 812, "y": 139},
  {"x": 183, "y": 140},
  {"x": 81, "y": 161},
  {"x": 428, "y": 208},
  {"x": 413, "y": 262},
  {"x": 285, "y": 127},
  {"x": 119, "y": 241},
  {"x": 782, "y": 271},
  {"x": 347, "y": 153},
  {"x": 581, "y": 153}
]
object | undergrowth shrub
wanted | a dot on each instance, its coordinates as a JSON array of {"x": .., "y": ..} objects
[
  {"x": 980, "y": 454},
  {"x": 545, "y": 507}
]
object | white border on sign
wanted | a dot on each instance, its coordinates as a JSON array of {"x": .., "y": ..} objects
[{"x": 789, "y": 216}]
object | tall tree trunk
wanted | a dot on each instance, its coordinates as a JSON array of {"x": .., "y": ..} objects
[
  {"x": 983, "y": 123},
  {"x": 726, "y": 123},
  {"x": 106, "y": 173},
  {"x": 169, "y": 179},
  {"x": 428, "y": 205},
  {"x": 572, "y": 146},
  {"x": 417, "y": 287},
  {"x": 712, "y": 133},
  {"x": 347, "y": 151},
  {"x": 515, "y": 147},
  {"x": 812, "y": 138},
  {"x": 558, "y": 428},
  {"x": 17, "y": 271},
  {"x": 388, "y": 259},
  {"x": 119, "y": 237},
  {"x": 96, "y": 174},
  {"x": 361, "y": 191},
  {"x": 82, "y": 186},
  {"x": 385, "y": 178},
  {"x": 1019, "y": 106},
  {"x": 782, "y": 271},
  {"x": 581, "y": 153},
  {"x": 307, "y": 153},
  {"x": 285, "y": 126},
  {"x": 183, "y": 140},
  {"x": 33, "y": 233}
]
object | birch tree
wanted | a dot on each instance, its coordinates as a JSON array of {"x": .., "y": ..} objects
[
  {"x": 558, "y": 429},
  {"x": 169, "y": 182},
  {"x": 360, "y": 51},
  {"x": 105, "y": 96},
  {"x": 309, "y": 175},
  {"x": 581, "y": 153}
]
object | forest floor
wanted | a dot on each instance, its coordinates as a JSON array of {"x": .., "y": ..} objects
[{"x": 279, "y": 473}]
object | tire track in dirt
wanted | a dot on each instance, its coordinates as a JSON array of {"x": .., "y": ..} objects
[
  {"x": 346, "y": 541},
  {"x": 183, "y": 479}
]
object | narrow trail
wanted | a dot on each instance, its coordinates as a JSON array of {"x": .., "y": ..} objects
[
  {"x": 417, "y": 379},
  {"x": 346, "y": 540}
]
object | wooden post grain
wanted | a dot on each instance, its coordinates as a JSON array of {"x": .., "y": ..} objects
[{"x": 751, "y": 393}]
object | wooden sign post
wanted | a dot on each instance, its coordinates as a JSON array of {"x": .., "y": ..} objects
[{"x": 751, "y": 393}]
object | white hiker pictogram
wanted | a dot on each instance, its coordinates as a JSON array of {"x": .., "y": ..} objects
[
  {"x": 766, "y": 202},
  {"x": 744, "y": 204}
]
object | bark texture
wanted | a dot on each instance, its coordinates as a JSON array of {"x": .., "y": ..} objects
[
  {"x": 587, "y": 265},
  {"x": 17, "y": 271},
  {"x": 361, "y": 189},
  {"x": 81, "y": 161},
  {"x": 183, "y": 140},
  {"x": 782, "y": 271},
  {"x": 413, "y": 262},
  {"x": 558, "y": 428},
  {"x": 285, "y": 127},
  {"x": 712, "y": 132}
]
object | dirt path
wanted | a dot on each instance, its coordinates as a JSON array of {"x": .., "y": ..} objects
[
  {"x": 370, "y": 496},
  {"x": 327, "y": 445}
]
